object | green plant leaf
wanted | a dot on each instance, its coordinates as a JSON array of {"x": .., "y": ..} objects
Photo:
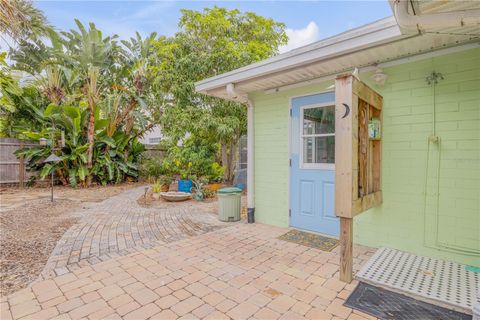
[
  {"x": 71, "y": 112},
  {"x": 72, "y": 177},
  {"x": 101, "y": 124},
  {"x": 82, "y": 172},
  {"x": 51, "y": 108},
  {"x": 46, "y": 170}
]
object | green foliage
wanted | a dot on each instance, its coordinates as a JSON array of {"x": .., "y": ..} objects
[
  {"x": 156, "y": 187},
  {"x": 198, "y": 189},
  {"x": 193, "y": 158},
  {"x": 151, "y": 168},
  {"x": 216, "y": 173},
  {"x": 210, "y": 42},
  {"x": 209, "y": 193},
  {"x": 165, "y": 180},
  {"x": 101, "y": 94},
  {"x": 20, "y": 107},
  {"x": 105, "y": 93},
  {"x": 111, "y": 165},
  {"x": 21, "y": 21}
]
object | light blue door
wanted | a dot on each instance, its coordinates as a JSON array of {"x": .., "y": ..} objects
[{"x": 312, "y": 167}]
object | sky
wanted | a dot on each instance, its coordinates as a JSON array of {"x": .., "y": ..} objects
[{"x": 306, "y": 21}]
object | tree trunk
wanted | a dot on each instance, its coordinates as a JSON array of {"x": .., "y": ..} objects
[
  {"x": 90, "y": 137},
  {"x": 92, "y": 93},
  {"x": 225, "y": 162},
  {"x": 62, "y": 178},
  {"x": 128, "y": 130},
  {"x": 229, "y": 159}
]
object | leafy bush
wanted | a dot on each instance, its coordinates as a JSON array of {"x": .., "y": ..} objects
[
  {"x": 156, "y": 187},
  {"x": 194, "y": 158},
  {"x": 165, "y": 180},
  {"x": 99, "y": 93},
  {"x": 151, "y": 168},
  {"x": 115, "y": 157},
  {"x": 208, "y": 193},
  {"x": 217, "y": 172}
]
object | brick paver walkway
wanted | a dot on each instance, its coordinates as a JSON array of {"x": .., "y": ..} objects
[
  {"x": 241, "y": 271},
  {"x": 118, "y": 226}
]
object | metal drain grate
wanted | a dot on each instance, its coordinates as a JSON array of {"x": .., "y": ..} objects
[
  {"x": 440, "y": 282},
  {"x": 385, "y": 304}
]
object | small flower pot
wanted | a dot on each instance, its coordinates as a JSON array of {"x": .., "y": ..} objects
[
  {"x": 165, "y": 188},
  {"x": 214, "y": 186},
  {"x": 185, "y": 185},
  {"x": 156, "y": 195}
]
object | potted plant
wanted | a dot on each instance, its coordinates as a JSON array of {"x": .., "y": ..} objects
[
  {"x": 197, "y": 189},
  {"x": 215, "y": 177},
  {"x": 189, "y": 159},
  {"x": 165, "y": 181},
  {"x": 156, "y": 189},
  {"x": 184, "y": 183}
]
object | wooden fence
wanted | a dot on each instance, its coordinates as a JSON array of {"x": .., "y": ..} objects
[
  {"x": 154, "y": 151},
  {"x": 12, "y": 169}
]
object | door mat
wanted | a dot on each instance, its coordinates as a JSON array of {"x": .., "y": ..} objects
[
  {"x": 310, "y": 240},
  {"x": 444, "y": 283},
  {"x": 389, "y": 305}
]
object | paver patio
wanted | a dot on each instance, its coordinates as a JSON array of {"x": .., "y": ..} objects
[
  {"x": 119, "y": 225},
  {"x": 240, "y": 271}
]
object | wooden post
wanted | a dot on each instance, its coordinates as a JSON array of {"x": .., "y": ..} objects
[
  {"x": 21, "y": 168},
  {"x": 346, "y": 252},
  {"x": 357, "y": 160}
]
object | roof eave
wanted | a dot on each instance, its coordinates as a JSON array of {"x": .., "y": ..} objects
[{"x": 382, "y": 31}]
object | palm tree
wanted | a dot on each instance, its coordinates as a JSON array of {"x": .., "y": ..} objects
[
  {"x": 20, "y": 20},
  {"x": 92, "y": 55},
  {"x": 92, "y": 93}
]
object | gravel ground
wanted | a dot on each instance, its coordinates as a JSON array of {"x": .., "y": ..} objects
[{"x": 30, "y": 229}]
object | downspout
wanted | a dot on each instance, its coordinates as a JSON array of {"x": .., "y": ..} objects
[
  {"x": 250, "y": 163},
  {"x": 243, "y": 98},
  {"x": 423, "y": 22}
]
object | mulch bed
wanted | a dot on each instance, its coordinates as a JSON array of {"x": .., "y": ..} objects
[
  {"x": 28, "y": 236},
  {"x": 29, "y": 233}
]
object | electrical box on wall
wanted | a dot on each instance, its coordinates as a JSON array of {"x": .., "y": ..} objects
[{"x": 358, "y": 148}]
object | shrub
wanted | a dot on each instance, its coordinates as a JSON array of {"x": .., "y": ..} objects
[
  {"x": 192, "y": 159},
  {"x": 151, "y": 168},
  {"x": 156, "y": 187},
  {"x": 216, "y": 173},
  {"x": 165, "y": 180}
]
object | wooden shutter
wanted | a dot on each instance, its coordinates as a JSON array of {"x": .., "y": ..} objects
[{"x": 357, "y": 158}]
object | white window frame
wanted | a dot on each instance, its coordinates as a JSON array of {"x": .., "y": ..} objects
[
  {"x": 154, "y": 140},
  {"x": 314, "y": 166}
]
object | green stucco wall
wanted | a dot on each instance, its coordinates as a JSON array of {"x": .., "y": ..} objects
[{"x": 447, "y": 226}]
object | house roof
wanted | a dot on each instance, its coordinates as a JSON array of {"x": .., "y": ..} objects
[{"x": 371, "y": 44}]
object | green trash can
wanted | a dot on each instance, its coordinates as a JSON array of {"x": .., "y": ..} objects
[{"x": 229, "y": 204}]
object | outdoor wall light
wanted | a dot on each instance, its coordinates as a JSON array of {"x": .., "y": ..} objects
[
  {"x": 379, "y": 77},
  {"x": 51, "y": 159}
]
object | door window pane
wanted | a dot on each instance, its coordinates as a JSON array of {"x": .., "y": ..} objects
[
  {"x": 308, "y": 150},
  {"x": 319, "y": 149},
  {"x": 319, "y": 120},
  {"x": 318, "y": 135}
]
